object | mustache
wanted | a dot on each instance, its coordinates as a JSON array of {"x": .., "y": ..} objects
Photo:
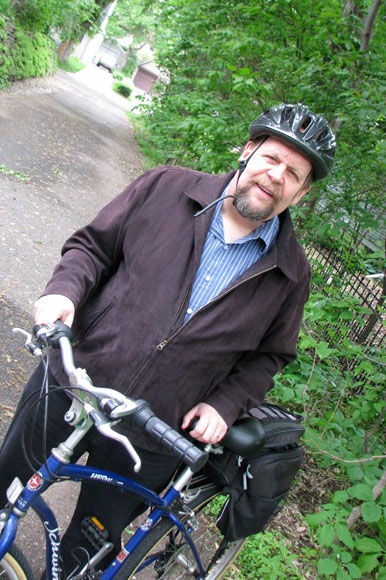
[{"x": 270, "y": 189}]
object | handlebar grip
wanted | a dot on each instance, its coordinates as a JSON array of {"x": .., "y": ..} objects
[
  {"x": 52, "y": 332},
  {"x": 144, "y": 418}
]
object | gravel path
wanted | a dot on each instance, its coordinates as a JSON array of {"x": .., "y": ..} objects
[{"x": 71, "y": 145}]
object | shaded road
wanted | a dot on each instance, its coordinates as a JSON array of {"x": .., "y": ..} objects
[{"x": 72, "y": 146}]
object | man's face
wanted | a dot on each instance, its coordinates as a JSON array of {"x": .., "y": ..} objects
[{"x": 271, "y": 181}]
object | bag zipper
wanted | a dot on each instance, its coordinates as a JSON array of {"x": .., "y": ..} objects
[{"x": 167, "y": 338}]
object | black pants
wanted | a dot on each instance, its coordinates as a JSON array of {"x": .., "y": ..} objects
[{"x": 112, "y": 507}]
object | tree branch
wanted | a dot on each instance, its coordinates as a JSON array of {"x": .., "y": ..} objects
[
  {"x": 373, "y": 430},
  {"x": 357, "y": 511},
  {"x": 324, "y": 452}
]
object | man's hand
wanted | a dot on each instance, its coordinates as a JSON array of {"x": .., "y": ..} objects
[
  {"x": 53, "y": 307},
  {"x": 210, "y": 428}
]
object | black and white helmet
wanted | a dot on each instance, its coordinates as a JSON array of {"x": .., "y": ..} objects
[{"x": 305, "y": 131}]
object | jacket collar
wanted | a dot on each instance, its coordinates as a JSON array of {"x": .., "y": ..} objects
[
  {"x": 208, "y": 188},
  {"x": 286, "y": 251}
]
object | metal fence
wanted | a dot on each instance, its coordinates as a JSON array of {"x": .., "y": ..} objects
[{"x": 369, "y": 329}]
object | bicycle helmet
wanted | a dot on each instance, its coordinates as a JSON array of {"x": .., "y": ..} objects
[{"x": 308, "y": 133}]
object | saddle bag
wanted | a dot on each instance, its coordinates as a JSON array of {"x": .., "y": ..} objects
[{"x": 256, "y": 486}]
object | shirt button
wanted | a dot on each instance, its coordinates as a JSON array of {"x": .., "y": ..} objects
[
  {"x": 225, "y": 247},
  {"x": 189, "y": 311},
  {"x": 207, "y": 278}
]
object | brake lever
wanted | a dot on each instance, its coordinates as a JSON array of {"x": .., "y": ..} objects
[
  {"x": 104, "y": 426},
  {"x": 29, "y": 344}
]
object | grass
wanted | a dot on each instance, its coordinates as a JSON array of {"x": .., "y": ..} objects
[
  {"x": 73, "y": 64},
  {"x": 13, "y": 173}
]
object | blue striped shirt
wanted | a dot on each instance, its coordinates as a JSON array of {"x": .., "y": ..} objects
[{"x": 221, "y": 263}]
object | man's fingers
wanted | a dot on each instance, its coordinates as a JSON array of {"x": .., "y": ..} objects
[{"x": 48, "y": 309}]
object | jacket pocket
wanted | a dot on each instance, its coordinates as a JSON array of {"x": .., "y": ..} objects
[{"x": 85, "y": 331}]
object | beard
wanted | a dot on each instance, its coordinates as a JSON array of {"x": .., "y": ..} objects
[{"x": 246, "y": 210}]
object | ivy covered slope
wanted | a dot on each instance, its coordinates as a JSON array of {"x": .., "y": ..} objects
[
  {"x": 24, "y": 54},
  {"x": 28, "y": 26}
]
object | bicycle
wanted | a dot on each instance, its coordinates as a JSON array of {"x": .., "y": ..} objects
[{"x": 176, "y": 539}]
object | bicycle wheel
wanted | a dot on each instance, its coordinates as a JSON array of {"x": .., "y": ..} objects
[
  {"x": 166, "y": 554},
  {"x": 14, "y": 566}
]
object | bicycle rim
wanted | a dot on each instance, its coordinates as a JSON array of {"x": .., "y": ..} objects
[
  {"x": 165, "y": 554},
  {"x": 14, "y": 566}
]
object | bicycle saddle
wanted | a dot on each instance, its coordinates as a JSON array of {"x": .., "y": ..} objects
[{"x": 245, "y": 437}]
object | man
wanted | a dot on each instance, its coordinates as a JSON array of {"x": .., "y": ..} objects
[{"x": 187, "y": 290}]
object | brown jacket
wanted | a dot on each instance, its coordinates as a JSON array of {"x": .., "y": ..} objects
[{"x": 129, "y": 274}]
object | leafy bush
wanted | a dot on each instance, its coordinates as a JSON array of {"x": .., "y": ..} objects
[
  {"x": 73, "y": 64},
  {"x": 66, "y": 17},
  {"x": 343, "y": 407},
  {"x": 122, "y": 89},
  {"x": 266, "y": 556},
  {"x": 4, "y": 5},
  {"x": 345, "y": 553},
  {"x": 24, "y": 55},
  {"x": 130, "y": 65}
]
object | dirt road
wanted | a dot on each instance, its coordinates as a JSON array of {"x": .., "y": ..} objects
[{"x": 71, "y": 148}]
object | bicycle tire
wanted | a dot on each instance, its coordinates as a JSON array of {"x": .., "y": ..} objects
[
  {"x": 168, "y": 542},
  {"x": 14, "y": 566}
]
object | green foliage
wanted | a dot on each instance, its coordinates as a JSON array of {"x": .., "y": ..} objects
[
  {"x": 224, "y": 65},
  {"x": 227, "y": 63},
  {"x": 122, "y": 88},
  {"x": 340, "y": 400},
  {"x": 4, "y": 6},
  {"x": 130, "y": 19},
  {"x": 266, "y": 555},
  {"x": 117, "y": 75},
  {"x": 26, "y": 48},
  {"x": 67, "y": 17},
  {"x": 23, "y": 54},
  {"x": 73, "y": 64},
  {"x": 342, "y": 406},
  {"x": 10, "y": 172},
  {"x": 131, "y": 63},
  {"x": 343, "y": 553}
]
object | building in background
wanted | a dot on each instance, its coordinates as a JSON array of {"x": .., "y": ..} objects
[
  {"x": 88, "y": 48},
  {"x": 145, "y": 75}
]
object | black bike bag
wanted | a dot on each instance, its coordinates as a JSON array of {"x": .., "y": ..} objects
[{"x": 257, "y": 485}]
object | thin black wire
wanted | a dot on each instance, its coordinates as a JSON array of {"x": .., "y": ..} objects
[
  {"x": 27, "y": 441},
  {"x": 34, "y": 462},
  {"x": 29, "y": 453}
]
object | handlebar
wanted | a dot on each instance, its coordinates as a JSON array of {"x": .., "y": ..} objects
[{"x": 111, "y": 405}]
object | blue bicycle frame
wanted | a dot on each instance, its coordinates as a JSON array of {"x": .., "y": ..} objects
[{"x": 39, "y": 482}]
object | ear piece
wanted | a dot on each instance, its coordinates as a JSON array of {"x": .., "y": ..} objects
[{"x": 242, "y": 165}]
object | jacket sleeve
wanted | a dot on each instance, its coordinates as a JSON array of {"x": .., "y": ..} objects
[
  {"x": 93, "y": 253},
  {"x": 252, "y": 376}
]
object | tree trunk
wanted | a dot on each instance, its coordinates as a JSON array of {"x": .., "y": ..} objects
[
  {"x": 65, "y": 50},
  {"x": 368, "y": 25}
]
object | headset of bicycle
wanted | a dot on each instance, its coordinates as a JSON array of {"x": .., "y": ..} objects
[{"x": 301, "y": 129}]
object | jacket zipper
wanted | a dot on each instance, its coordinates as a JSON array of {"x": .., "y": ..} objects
[
  {"x": 167, "y": 339},
  {"x": 147, "y": 363},
  {"x": 163, "y": 342}
]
